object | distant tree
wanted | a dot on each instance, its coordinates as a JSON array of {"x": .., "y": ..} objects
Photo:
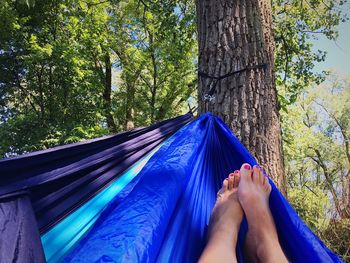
[
  {"x": 48, "y": 83},
  {"x": 316, "y": 145},
  {"x": 156, "y": 47},
  {"x": 317, "y": 134}
]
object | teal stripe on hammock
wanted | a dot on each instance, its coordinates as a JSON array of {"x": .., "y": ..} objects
[{"x": 61, "y": 238}]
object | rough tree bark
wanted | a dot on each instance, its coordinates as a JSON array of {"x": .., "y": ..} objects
[{"x": 233, "y": 36}]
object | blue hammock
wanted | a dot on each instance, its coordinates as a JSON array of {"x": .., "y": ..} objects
[
  {"x": 163, "y": 217},
  {"x": 157, "y": 211}
]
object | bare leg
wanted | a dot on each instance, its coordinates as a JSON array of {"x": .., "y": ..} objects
[
  {"x": 224, "y": 224},
  {"x": 262, "y": 243}
]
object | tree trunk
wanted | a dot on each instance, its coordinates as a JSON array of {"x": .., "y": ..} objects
[
  {"x": 129, "y": 107},
  {"x": 107, "y": 99},
  {"x": 341, "y": 208},
  {"x": 237, "y": 36},
  {"x": 154, "y": 82}
]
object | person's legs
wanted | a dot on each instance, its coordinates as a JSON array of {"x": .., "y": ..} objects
[
  {"x": 262, "y": 243},
  {"x": 224, "y": 224}
]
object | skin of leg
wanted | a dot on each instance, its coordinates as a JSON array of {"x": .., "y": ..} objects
[
  {"x": 224, "y": 224},
  {"x": 262, "y": 243}
]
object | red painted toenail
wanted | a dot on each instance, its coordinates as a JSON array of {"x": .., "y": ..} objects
[
  {"x": 231, "y": 174},
  {"x": 236, "y": 172},
  {"x": 247, "y": 166}
]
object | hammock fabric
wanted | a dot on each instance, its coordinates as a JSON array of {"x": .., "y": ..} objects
[
  {"x": 162, "y": 214},
  {"x": 39, "y": 189}
]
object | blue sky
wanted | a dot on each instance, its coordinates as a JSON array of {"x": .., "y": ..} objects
[{"x": 338, "y": 52}]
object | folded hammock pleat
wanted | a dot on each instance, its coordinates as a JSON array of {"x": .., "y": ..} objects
[
  {"x": 19, "y": 236},
  {"x": 74, "y": 194}
]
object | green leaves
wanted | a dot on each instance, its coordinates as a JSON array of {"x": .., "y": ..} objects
[
  {"x": 53, "y": 61},
  {"x": 296, "y": 23},
  {"x": 48, "y": 83},
  {"x": 156, "y": 47},
  {"x": 316, "y": 131},
  {"x": 316, "y": 134},
  {"x": 311, "y": 205},
  {"x": 53, "y": 68}
]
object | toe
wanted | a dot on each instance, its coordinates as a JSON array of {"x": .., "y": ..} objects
[
  {"x": 268, "y": 188},
  {"x": 230, "y": 181},
  {"x": 245, "y": 173},
  {"x": 236, "y": 179},
  {"x": 225, "y": 185},
  {"x": 261, "y": 176},
  {"x": 266, "y": 185},
  {"x": 223, "y": 188},
  {"x": 256, "y": 174},
  {"x": 265, "y": 180}
]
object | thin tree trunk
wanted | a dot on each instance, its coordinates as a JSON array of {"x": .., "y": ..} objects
[
  {"x": 154, "y": 83},
  {"x": 343, "y": 213},
  {"x": 107, "y": 99},
  {"x": 234, "y": 35},
  {"x": 130, "y": 77},
  {"x": 129, "y": 107},
  {"x": 345, "y": 191}
]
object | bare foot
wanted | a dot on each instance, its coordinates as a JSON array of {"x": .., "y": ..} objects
[
  {"x": 224, "y": 224},
  {"x": 262, "y": 243}
]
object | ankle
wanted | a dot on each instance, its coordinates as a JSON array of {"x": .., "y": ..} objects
[
  {"x": 222, "y": 236},
  {"x": 264, "y": 249}
]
